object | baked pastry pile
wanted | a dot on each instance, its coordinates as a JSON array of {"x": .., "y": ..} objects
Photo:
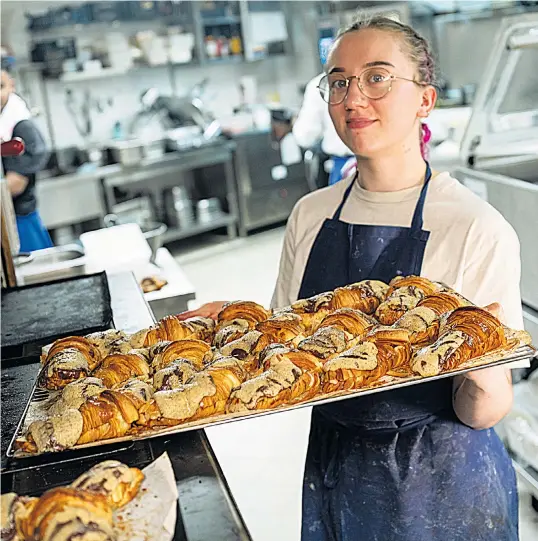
[
  {"x": 83, "y": 510},
  {"x": 113, "y": 384}
]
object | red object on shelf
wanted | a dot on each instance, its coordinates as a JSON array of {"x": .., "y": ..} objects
[{"x": 14, "y": 147}]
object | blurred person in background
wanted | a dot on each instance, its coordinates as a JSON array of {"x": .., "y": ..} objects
[
  {"x": 20, "y": 171},
  {"x": 313, "y": 126}
]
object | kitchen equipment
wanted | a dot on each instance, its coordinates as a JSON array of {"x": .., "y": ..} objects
[
  {"x": 128, "y": 152},
  {"x": 180, "y": 48},
  {"x": 500, "y": 145},
  {"x": 153, "y": 231},
  {"x": 137, "y": 210},
  {"x": 179, "y": 208},
  {"x": 54, "y": 263},
  {"x": 154, "y": 235},
  {"x": 208, "y": 210},
  {"x": 81, "y": 303},
  {"x": 153, "y": 150},
  {"x": 177, "y": 112}
]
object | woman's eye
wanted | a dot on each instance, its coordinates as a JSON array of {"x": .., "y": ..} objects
[
  {"x": 376, "y": 78},
  {"x": 338, "y": 85}
]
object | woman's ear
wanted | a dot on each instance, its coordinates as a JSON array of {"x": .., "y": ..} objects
[{"x": 429, "y": 97}]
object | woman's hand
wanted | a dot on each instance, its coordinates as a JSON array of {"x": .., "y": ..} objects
[
  {"x": 483, "y": 397},
  {"x": 16, "y": 183},
  {"x": 210, "y": 309}
]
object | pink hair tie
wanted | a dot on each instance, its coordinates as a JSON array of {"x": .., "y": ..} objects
[
  {"x": 425, "y": 137},
  {"x": 426, "y": 133}
]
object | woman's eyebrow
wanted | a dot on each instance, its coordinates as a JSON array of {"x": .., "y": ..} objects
[
  {"x": 373, "y": 64},
  {"x": 378, "y": 63}
]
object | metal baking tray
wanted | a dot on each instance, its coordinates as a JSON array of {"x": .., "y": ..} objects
[
  {"x": 40, "y": 396},
  {"x": 80, "y": 305}
]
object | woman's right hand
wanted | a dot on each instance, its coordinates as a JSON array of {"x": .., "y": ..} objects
[{"x": 210, "y": 309}]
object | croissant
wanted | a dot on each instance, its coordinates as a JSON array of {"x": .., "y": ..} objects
[
  {"x": 55, "y": 433},
  {"x": 90, "y": 352},
  {"x": 109, "y": 415},
  {"x": 248, "y": 311},
  {"x": 177, "y": 405},
  {"x": 110, "y": 341},
  {"x": 465, "y": 333},
  {"x": 173, "y": 329},
  {"x": 272, "y": 388},
  {"x": 14, "y": 509},
  {"x": 282, "y": 328},
  {"x": 196, "y": 352},
  {"x": 75, "y": 394},
  {"x": 225, "y": 376},
  {"x": 176, "y": 374},
  {"x": 65, "y": 513},
  {"x": 117, "y": 368},
  {"x": 382, "y": 351},
  {"x": 353, "y": 322},
  {"x": 246, "y": 349},
  {"x": 325, "y": 342},
  {"x": 308, "y": 384},
  {"x": 118, "y": 483},
  {"x": 422, "y": 322},
  {"x": 303, "y": 360},
  {"x": 426, "y": 286},
  {"x": 364, "y": 296},
  {"x": 312, "y": 310},
  {"x": 231, "y": 331},
  {"x": 64, "y": 366},
  {"x": 403, "y": 295},
  {"x": 138, "y": 391}
]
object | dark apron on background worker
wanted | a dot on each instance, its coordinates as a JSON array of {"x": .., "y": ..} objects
[{"x": 397, "y": 465}]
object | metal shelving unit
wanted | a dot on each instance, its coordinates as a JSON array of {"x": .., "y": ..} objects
[{"x": 182, "y": 233}]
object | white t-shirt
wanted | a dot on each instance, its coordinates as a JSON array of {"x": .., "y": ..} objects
[{"x": 471, "y": 247}]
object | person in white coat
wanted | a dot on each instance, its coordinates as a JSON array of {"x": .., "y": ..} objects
[{"x": 313, "y": 125}]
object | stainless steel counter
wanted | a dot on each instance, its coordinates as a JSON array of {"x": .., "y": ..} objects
[{"x": 74, "y": 198}]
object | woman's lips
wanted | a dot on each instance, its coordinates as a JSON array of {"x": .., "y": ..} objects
[{"x": 359, "y": 123}]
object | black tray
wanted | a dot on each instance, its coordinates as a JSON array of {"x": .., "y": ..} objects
[{"x": 36, "y": 314}]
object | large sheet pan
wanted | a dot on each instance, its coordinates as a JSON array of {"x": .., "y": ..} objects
[{"x": 40, "y": 398}]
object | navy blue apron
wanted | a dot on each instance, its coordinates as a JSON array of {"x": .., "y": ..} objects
[{"x": 397, "y": 465}]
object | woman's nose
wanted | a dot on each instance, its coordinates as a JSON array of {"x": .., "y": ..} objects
[{"x": 355, "y": 98}]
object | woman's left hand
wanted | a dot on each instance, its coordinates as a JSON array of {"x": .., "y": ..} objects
[{"x": 482, "y": 376}]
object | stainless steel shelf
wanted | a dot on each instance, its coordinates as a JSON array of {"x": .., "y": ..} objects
[
  {"x": 223, "y": 20},
  {"x": 178, "y": 234}
]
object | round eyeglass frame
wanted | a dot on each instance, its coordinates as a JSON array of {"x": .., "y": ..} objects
[{"x": 390, "y": 77}]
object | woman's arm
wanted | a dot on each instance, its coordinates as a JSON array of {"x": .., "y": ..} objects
[
  {"x": 36, "y": 153},
  {"x": 483, "y": 397}
]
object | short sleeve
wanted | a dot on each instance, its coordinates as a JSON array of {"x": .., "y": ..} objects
[
  {"x": 493, "y": 273},
  {"x": 282, "y": 295},
  {"x": 35, "y": 154}
]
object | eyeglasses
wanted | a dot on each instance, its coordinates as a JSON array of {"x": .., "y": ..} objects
[{"x": 374, "y": 83}]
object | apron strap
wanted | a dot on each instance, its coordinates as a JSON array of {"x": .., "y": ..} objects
[
  {"x": 338, "y": 211},
  {"x": 417, "y": 222}
]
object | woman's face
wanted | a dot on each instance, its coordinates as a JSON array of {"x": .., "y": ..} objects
[{"x": 388, "y": 124}]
